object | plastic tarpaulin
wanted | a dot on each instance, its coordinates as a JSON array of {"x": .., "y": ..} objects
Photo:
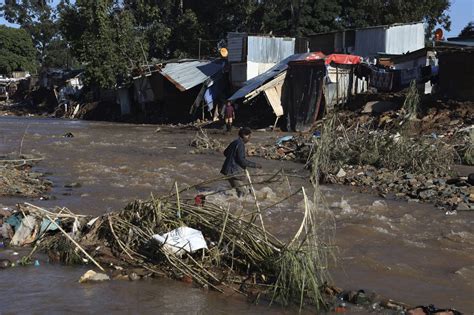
[
  {"x": 343, "y": 59},
  {"x": 214, "y": 92}
]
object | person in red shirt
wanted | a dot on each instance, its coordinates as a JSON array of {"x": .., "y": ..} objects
[{"x": 229, "y": 115}]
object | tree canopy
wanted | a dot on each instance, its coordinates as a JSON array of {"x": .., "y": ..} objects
[
  {"x": 468, "y": 30},
  {"x": 16, "y": 50},
  {"x": 110, "y": 37},
  {"x": 38, "y": 18}
]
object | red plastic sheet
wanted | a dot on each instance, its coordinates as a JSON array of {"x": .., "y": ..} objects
[{"x": 343, "y": 59}]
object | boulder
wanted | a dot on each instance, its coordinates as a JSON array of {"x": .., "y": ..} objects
[{"x": 92, "y": 276}]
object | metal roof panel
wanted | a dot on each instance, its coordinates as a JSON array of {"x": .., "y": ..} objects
[{"x": 188, "y": 74}]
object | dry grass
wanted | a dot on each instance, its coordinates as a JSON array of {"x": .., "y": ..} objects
[{"x": 339, "y": 146}]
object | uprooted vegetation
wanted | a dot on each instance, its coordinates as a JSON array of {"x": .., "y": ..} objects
[
  {"x": 360, "y": 146},
  {"x": 202, "y": 142},
  {"x": 241, "y": 256}
]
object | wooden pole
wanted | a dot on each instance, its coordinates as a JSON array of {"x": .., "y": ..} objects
[
  {"x": 75, "y": 243},
  {"x": 256, "y": 204}
]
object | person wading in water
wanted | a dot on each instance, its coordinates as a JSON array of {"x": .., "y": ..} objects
[{"x": 235, "y": 161}]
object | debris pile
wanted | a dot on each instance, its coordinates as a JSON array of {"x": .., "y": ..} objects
[
  {"x": 17, "y": 179},
  {"x": 202, "y": 142},
  {"x": 413, "y": 168},
  {"x": 293, "y": 148},
  {"x": 205, "y": 244}
]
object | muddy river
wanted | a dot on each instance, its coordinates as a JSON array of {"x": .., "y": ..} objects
[{"x": 410, "y": 252}]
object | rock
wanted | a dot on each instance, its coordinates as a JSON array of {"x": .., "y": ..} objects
[
  {"x": 413, "y": 182},
  {"x": 466, "y": 272},
  {"x": 133, "y": 276},
  {"x": 5, "y": 263},
  {"x": 341, "y": 173},
  {"x": 427, "y": 194},
  {"x": 92, "y": 276},
  {"x": 471, "y": 198},
  {"x": 379, "y": 204},
  {"x": 121, "y": 277}
]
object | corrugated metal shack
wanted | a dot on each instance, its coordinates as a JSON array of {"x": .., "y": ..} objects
[
  {"x": 412, "y": 65},
  {"x": 389, "y": 39},
  {"x": 250, "y": 56},
  {"x": 300, "y": 86},
  {"x": 173, "y": 90},
  {"x": 370, "y": 41}
]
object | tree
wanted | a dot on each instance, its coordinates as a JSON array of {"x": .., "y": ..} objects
[
  {"x": 468, "y": 30},
  {"x": 16, "y": 50},
  {"x": 38, "y": 18},
  {"x": 300, "y": 17},
  {"x": 154, "y": 20},
  {"x": 362, "y": 13},
  {"x": 104, "y": 37}
]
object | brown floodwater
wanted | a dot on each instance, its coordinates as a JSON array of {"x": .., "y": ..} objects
[{"x": 409, "y": 252}]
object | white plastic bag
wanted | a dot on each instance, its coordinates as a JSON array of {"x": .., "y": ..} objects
[{"x": 180, "y": 240}]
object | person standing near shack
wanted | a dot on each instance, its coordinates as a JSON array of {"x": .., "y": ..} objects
[
  {"x": 229, "y": 115},
  {"x": 235, "y": 162}
]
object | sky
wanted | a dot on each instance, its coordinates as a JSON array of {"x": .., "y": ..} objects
[{"x": 461, "y": 12}]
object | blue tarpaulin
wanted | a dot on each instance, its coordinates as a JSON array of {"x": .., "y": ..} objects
[{"x": 214, "y": 93}]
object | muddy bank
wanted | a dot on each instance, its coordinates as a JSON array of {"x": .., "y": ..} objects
[
  {"x": 380, "y": 241},
  {"x": 18, "y": 179}
]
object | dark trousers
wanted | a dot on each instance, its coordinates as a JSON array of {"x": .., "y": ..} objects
[{"x": 239, "y": 185}]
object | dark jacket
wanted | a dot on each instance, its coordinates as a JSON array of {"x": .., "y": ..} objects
[{"x": 235, "y": 159}]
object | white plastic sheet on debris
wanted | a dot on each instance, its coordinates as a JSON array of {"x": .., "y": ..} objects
[
  {"x": 182, "y": 239},
  {"x": 25, "y": 233}
]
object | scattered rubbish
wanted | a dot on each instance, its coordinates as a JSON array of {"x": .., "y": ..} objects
[
  {"x": 199, "y": 200},
  {"x": 91, "y": 222},
  {"x": 182, "y": 239},
  {"x": 284, "y": 139},
  {"x": 92, "y": 276},
  {"x": 36, "y": 264},
  {"x": 26, "y": 232}
]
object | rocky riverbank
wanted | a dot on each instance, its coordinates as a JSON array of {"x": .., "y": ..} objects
[{"x": 18, "y": 179}]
